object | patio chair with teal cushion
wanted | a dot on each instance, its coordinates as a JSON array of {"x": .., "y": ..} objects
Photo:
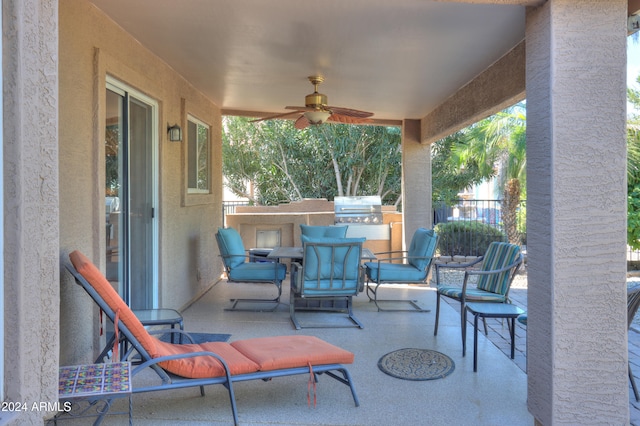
[
  {"x": 320, "y": 231},
  {"x": 633, "y": 302},
  {"x": 328, "y": 278},
  {"x": 499, "y": 266},
  {"x": 402, "y": 267},
  {"x": 239, "y": 270}
]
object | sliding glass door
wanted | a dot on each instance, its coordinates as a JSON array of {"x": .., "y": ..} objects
[{"x": 130, "y": 195}]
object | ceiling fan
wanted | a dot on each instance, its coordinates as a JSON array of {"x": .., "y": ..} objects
[{"x": 316, "y": 110}]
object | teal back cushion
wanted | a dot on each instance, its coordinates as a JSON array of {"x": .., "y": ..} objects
[
  {"x": 314, "y": 231},
  {"x": 325, "y": 261},
  {"x": 231, "y": 247},
  {"x": 422, "y": 248},
  {"x": 498, "y": 256}
]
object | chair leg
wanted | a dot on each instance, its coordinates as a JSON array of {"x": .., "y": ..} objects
[
  {"x": 414, "y": 303},
  {"x": 435, "y": 328},
  {"x": 370, "y": 291},
  {"x": 633, "y": 384},
  {"x": 292, "y": 310},
  {"x": 463, "y": 327},
  {"x": 275, "y": 302},
  {"x": 351, "y": 316}
]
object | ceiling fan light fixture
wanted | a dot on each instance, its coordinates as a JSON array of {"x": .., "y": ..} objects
[{"x": 317, "y": 117}]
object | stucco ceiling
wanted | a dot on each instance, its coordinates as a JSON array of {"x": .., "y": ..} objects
[{"x": 396, "y": 58}]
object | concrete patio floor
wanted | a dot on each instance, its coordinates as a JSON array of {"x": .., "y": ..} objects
[{"x": 496, "y": 394}]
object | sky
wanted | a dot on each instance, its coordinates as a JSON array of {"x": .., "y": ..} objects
[
  {"x": 633, "y": 63},
  {"x": 633, "y": 60}
]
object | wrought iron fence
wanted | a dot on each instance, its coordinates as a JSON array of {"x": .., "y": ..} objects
[
  {"x": 477, "y": 222},
  {"x": 229, "y": 207}
]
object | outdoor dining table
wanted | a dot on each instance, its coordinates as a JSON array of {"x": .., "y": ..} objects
[{"x": 296, "y": 253}]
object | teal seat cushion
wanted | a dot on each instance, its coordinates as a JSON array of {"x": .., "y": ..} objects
[
  {"x": 258, "y": 272},
  {"x": 330, "y": 269},
  {"x": 329, "y": 288},
  {"x": 394, "y": 272},
  {"x": 231, "y": 247},
  {"x": 422, "y": 248},
  {"x": 522, "y": 319},
  {"x": 314, "y": 231},
  {"x": 472, "y": 294},
  {"x": 498, "y": 256}
]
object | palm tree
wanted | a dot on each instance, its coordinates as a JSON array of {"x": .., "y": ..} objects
[{"x": 497, "y": 145}]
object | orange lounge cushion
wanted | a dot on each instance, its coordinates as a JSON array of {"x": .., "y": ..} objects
[
  {"x": 275, "y": 353},
  {"x": 204, "y": 366},
  {"x": 93, "y": 275}
]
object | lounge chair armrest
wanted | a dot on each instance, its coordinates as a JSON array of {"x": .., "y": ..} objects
[
  {"x": 458, "y": 265},
  {"x": 153, "y": 362},
  {"x": 391, "y": 259},
  {"x": 517, "y": 263},
  {"x": 248, "y": 257},
  {"x": 389, "y": 252}
]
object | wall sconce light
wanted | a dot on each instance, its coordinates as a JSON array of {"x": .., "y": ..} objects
[{"x": 175, "y": 133}]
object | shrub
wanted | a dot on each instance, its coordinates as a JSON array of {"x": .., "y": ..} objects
[{"x": 465, "y": 238}]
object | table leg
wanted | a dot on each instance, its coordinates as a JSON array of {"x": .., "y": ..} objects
[
  {"x": 513, "y": 337},
  {"x": 475, "y": 343},
  {"x": 464, "y": 331}
]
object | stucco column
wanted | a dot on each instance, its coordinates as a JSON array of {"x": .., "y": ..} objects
[
  {"x": 576, "y": 211},
  {"x": 416, "y": 180},
  {"x": 31, "y": 278}
]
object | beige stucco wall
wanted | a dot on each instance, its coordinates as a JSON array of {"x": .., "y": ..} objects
[
  {"x": 416, "y": 180},
  {"x": 498, "y": 87},
  {"x": 30, "y": 229},
  {"x": 576, "y": 213},
  {"x": 91, "y": 47}
]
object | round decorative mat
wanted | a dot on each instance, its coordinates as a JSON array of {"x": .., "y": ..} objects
[{"x": 416, "y": 364}]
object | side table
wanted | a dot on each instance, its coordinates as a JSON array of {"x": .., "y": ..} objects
[
  {"x": 93, "y": 383},
  {"x": 147, "y": 317},
  {"x": 161, "y": 317},
  {"x": 491, "y": 310}
]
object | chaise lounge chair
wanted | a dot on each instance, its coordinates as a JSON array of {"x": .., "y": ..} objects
[{"x": 189, "y": 365}]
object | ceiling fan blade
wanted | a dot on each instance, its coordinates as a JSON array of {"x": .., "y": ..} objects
[
  {"x": 301, "y": 123},
  {"x": 350, "y": 112},
  {"x": 270, "y": 117},
  {"x": 300, "y": 108},
  {"x": 339, "y": 118}
]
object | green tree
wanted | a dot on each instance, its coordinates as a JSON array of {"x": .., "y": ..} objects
[
  {"x": 450, "y": 174},
  {"x": 633, "y": 169},
  {"x": 271, "y": 162},
  {"x": 477, "y": 153}
]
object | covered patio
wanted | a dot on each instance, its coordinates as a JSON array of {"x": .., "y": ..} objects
[
  {"x": 496, "y": 394},
  {"x": 429, "y": 67}
]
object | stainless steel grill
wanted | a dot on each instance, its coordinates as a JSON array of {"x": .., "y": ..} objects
[{"x": 364, "y": 210}]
